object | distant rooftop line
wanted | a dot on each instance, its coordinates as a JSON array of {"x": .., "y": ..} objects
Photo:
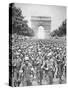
[{"x": 41, "y": 16}]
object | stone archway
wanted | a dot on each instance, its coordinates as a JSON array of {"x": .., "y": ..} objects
[{"x": 45, "y": 22}]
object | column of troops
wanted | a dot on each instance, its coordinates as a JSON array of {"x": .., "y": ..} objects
[{"x": 38, "y": 62}]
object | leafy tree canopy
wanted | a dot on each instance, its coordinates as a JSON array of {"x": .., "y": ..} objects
[
  {"x": 61, "y": 31},
  {"x": 19, "y": 25}
]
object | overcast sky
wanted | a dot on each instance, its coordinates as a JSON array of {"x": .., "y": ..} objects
[{"x": 57, "y": 13}]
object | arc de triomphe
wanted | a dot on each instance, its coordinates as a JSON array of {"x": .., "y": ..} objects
[{"x": 45, "y": 22}]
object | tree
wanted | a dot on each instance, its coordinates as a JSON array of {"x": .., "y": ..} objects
[
  {"x": 61, "y": 31},
  {"x": 19, "y": 25}
]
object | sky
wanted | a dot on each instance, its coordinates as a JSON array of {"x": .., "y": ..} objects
[{"x": 57, "y": 13}]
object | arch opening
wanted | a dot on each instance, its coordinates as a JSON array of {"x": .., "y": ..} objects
[{"x": 40, "y": 33}]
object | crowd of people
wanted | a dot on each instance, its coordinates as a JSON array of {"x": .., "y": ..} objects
[{"x": 38, "y": 62}]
